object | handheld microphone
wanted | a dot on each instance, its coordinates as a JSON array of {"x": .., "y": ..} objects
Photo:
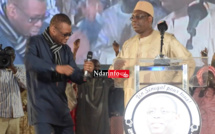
[{"x": 89, "y": 58}]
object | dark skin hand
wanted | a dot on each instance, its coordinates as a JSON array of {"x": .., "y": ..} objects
[
  {"x": 116, "y": 47},
  {"x": 204, "y": 53},
  {"x": 64, "y": 69},
  {"x": 68, "y": 70},
  {"x": 76, "y": 45}
]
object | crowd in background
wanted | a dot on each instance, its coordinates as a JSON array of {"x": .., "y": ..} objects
[
  {"x": 101, "y": 22},
  {"x": 98, "y": 23}
]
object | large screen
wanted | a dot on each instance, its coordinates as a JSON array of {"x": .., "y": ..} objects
[{"x": 100, "y": 23}]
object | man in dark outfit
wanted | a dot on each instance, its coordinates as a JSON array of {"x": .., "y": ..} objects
[{"x": 49, "y": 64}]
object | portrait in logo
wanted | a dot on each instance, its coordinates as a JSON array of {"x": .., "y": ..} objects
[{"x": 162, "y": 109}]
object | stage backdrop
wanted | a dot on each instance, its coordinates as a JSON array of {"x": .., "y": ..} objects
[{"x": 98, "y": 23}]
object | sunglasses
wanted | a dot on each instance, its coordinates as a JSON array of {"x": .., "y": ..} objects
[{"x": 64, "y": 35}]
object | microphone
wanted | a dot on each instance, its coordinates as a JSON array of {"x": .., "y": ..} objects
[
  {"x": 196, "y": 13},
  {"x": 162, "y": 27},
  {"x": 162, "y": 60},
  {"x": 89, "y": 58}
]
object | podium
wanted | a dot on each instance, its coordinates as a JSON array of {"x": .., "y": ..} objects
[
  {"x": 179, "y": 68},
  {"x": 178, "y": 73},
  {"x": 153, "y": 92}
]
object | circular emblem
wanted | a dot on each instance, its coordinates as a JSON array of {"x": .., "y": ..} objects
[{"x": 162, "y": 109}]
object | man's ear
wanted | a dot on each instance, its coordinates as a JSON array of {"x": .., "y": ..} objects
[
  {"x": 52, "y": 29},
  {"x": 150, "y": 19}
]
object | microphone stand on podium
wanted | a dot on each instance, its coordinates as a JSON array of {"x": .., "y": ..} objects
[{"x": 161, "y": 59}]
